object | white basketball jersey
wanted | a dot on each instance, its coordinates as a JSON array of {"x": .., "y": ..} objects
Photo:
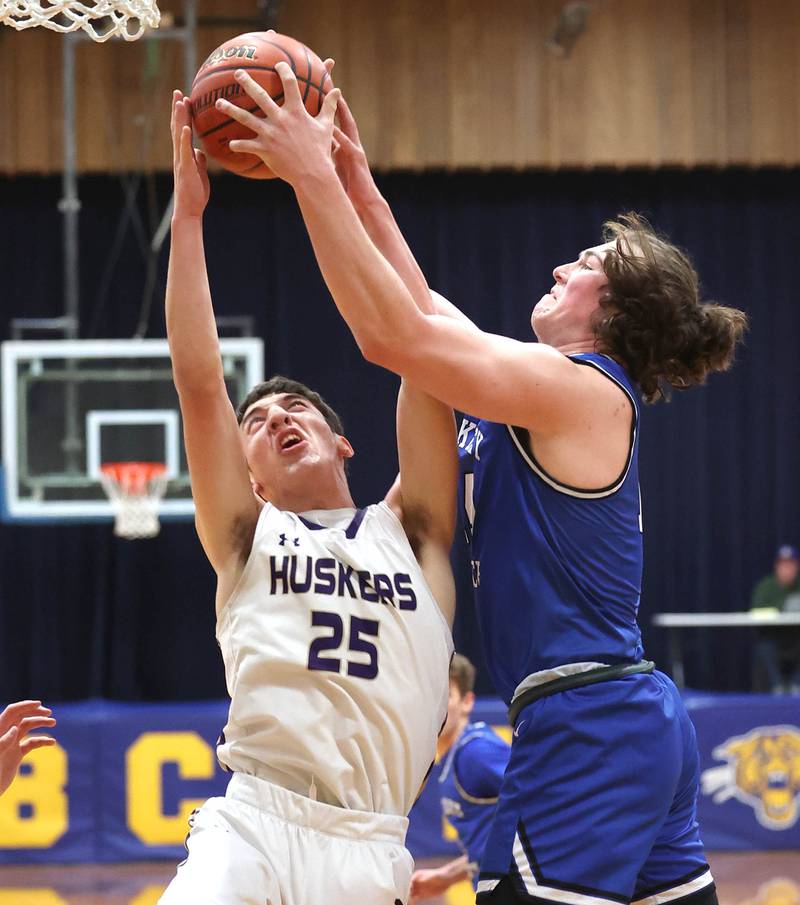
[{"x": 336, "y": 659}]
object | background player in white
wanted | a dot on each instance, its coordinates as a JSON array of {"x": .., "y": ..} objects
[{"x": 336, "y": 652}]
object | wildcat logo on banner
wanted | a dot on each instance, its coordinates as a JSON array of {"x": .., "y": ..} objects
[{"x": 763, "y": 771}]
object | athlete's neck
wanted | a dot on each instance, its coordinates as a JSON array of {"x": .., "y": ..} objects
[
  {"x": 577, "y": 347},
  {"x": 332, "y": 493}
]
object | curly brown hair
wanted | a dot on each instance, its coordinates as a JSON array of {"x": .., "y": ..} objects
[{"x": 652, "y": 319}]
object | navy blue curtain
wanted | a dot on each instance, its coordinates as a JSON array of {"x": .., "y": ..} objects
[{"x": 84, "y": 614}]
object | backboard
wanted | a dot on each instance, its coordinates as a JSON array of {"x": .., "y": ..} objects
[{"x": 71, "y": 405}]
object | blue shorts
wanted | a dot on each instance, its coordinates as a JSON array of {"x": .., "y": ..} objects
[{"x": 598, "y": 803}]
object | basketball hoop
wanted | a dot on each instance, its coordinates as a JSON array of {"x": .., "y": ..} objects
[
  {"x": 100, "y": 19},
  {"x": 134, "y": 489}
]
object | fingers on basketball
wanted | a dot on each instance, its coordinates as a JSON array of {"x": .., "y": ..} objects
[
  {"x": 257, "y": 92},
  {"x": 291, "y": 90},
  {"x": 329, "y": 105},
  {"x": 239, "y": 114},
  {"x": 261, "y": 54},
  {"x": 186, "y": 141}
]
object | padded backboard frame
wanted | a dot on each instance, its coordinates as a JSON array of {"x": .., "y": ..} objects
[{"x": 70, "y": 405}]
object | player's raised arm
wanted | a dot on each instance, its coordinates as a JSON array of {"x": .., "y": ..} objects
[
  {"x": 226, "y": 507},
  {"x": 376, "y": 216},
  {"x": 425, "y": 494},
  {"x": 489, "y": 376}
]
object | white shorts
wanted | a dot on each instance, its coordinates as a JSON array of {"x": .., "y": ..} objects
[{"x": 264, "y": 845}]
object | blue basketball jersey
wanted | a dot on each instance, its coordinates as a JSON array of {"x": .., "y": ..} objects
[
  {"x": 469, "y": 785},
  {"x": 557, "y": 569}
]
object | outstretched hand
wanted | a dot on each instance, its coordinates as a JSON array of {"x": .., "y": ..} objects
[
  {"x": 189, "y": 166},
  {"x": 16, "y": 721},
  {"x": 291, "y": 142}
]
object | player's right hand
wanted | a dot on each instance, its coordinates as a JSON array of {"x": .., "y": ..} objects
[
  {"x": 189, "y": 165},
  {"x": 16, "y": 721},
  {"x": 426, "y": 884},
  {"x": 350, "y": 159}
]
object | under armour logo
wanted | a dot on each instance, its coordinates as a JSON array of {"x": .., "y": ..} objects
[{"x": 284, "y": 540}]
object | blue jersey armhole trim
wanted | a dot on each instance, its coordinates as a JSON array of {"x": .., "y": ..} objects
[{"x": 581, "y": 492}]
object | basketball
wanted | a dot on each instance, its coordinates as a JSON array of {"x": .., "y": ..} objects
[{"x": 257, "y": 53}]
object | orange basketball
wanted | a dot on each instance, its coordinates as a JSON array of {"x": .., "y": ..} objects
[{"x": 257, "y": 52}]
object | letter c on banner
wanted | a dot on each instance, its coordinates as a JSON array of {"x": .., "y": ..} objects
[
  {"x": 34, "y": 812},
  {"x": 145, "y": 799}
]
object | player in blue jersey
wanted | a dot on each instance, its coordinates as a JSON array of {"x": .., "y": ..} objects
[
  {"x": 598, "y": 802},
  {"x": 474, "y": 760}
]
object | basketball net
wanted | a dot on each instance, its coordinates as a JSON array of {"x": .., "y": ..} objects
[
  {"x": 100, "y": 19},
  {"x": 134, "y": 489}
]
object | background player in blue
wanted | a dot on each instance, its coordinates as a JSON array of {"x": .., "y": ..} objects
[
  {"x": 598, "y": 801},
  {"x": 474, "y": 760}
]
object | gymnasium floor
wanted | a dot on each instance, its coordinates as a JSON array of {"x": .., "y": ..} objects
[{"x": 749, "y": 878}]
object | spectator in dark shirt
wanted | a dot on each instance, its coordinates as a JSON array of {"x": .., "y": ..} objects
[{"x": 777, "y": 655}]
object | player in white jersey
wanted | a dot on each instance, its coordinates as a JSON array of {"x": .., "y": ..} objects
[{"x": 334, "y": 622}]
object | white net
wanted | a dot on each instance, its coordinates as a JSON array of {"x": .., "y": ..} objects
[
  {"x": 134, "y": 489},
  {"x": 100, "y": 19}
]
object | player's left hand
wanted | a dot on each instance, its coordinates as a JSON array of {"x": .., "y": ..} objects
[
  {"x": 352, "y": 166},
  {"x": 189, "y": 166},
  {"x": 16, "y": 721},
  {"x": 291, "y": 142}
]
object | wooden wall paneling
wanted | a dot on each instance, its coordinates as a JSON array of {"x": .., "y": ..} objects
[
  {"x": 361, "y": 76},
  {"x": 509, "y": 101},
  {"x": 774, "y": 83},
  {"x": 675, "y": 76},
  {"x": 29, "y": 60},
  {"x": 471, "y": 83},
  {"x": 585, "y": 95},
  {"x": 100, "y": 115},
  {"x": 398, "y": 84},
  {"x": 7, "y": 105},
  {"x": 435, "y": 80},
  {"x": 706, "y": 124},
  {"x": 737, "y": 83},
  {"x": 455, "y": 84},
  {"x": 483, "y": 60},
  {"x": 529, "y": 58}
]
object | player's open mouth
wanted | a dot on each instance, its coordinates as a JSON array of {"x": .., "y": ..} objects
[{"x": 289, "y": 441}]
